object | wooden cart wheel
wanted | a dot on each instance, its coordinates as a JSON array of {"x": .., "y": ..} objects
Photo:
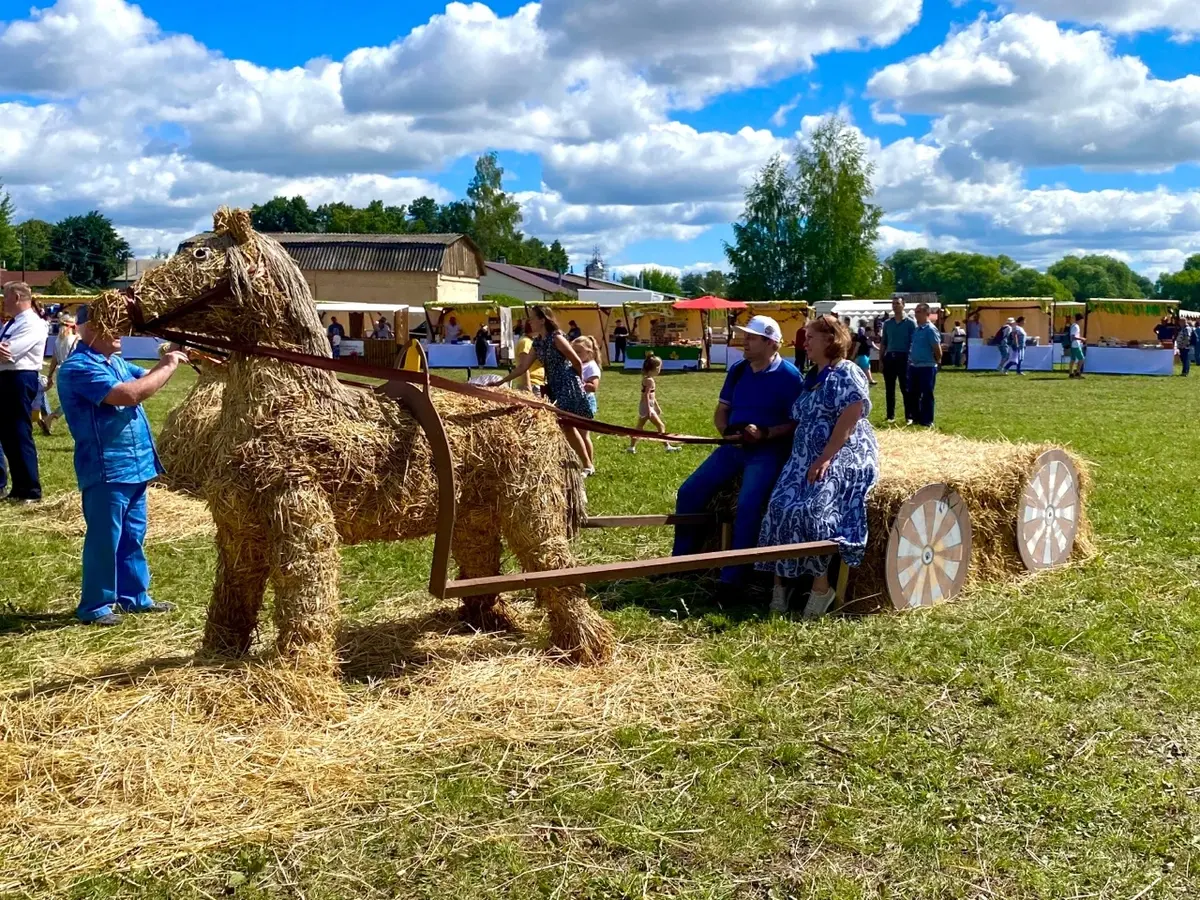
[
  {"x": 1049, "y": 516},
  {"x": 928, "y": 549}
]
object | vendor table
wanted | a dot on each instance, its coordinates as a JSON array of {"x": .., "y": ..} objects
[
  {"x": 982, "y": 356},
  {"x": 457, "y": 356},
  {"x": 1128, "y": 361},
  {"x": 675, "y": 358}
]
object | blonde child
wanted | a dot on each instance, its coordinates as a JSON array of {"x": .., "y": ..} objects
[
  {"x": 649, "y": 410},
  {"x": 587, "y": 351}
]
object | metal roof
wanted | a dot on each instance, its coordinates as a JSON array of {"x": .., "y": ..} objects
[
  {"x": 531, "y": 277},
  {"x": 361, "y": 252}
]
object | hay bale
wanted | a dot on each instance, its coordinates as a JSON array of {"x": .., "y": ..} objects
[
  {"x": 990, "y": 476},
  {"x": 172, "y": 516}
]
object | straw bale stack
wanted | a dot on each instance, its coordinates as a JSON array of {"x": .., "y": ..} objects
[
  {"x": 293, "y": 463},
  {"x": 990, "y": 476}
]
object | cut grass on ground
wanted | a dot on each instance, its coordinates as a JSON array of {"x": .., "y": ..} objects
[{"x": 1039, "y": 738}]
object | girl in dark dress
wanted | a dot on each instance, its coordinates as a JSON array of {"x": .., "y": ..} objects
[{"x": 564, "y": 370}]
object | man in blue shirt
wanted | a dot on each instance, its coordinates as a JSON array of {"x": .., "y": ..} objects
[
  {"x": 897, "y": 341},
  {"x": 756, "y": 403},
  {"x": 115, "y": 459},
  {"x": 923, "y": 361}
]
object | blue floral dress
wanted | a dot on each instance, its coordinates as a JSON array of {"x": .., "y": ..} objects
[
  {"x": 835, "y": 508},
  {"x": 562, "y": 383}
]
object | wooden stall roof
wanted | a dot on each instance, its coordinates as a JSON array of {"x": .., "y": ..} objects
[
  {"x": 1134, "y": 307},
  {"x": 1042, "y": 303}
]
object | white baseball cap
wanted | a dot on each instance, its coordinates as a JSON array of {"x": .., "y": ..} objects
[
  {"x": 763, "y": 326},
  {"x": 1011, "y": 321}
]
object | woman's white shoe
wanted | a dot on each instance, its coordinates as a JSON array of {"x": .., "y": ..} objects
[
  {"x": 818, "y": 604},
  {"x": 781, "y": 599}
]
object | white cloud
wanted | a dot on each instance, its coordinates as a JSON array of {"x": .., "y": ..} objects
[
  {"x": 666, "y": 163},
  {"x": 780, "y": 116},
  {"x": 1122, "y": 16},
  {"x": 1024, "y": 89},
  {"x": 711, "y": 46}
]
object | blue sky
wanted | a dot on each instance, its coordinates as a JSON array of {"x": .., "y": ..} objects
[{"x": 1034, "y": 128}]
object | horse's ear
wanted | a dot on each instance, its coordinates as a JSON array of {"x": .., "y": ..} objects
[{"x": 235, "y": 223}]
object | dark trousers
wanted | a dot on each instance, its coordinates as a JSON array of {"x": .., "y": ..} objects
[
  {"x": 759, "y": 470},
  {"x": 620, "y": 348},
  {"x": 895, "y": 371},
  {"x": 921, "y": 382},
  {"x": 956, "y": 354},
  {"x": 481, "y": 354},
  {"x": 18, "y": 390},
  {"x": 801, "y": 360},
  {"x": 1186, "y": 356}
]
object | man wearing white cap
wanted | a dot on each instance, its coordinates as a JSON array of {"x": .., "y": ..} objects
[{"x": 756, "y": 405}]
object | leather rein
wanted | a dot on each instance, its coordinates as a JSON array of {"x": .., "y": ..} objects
[{"x": 208, "y": 344}]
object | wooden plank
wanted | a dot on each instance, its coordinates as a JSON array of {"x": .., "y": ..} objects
[
  {"x": 649, "y": 521},
  {"x": 625, "y": 571}
]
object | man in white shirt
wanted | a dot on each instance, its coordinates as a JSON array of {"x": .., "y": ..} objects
[{"x": 22, "y": 347}]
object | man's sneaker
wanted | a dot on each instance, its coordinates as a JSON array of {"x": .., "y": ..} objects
[
  {"x": 156, "y": 606},
  {"x": 631, "y": 449},
  {"x": 44, "y": 424},
  {"x": 108, "y": 620},
  {"x": 908, "y": 421},
  {"x": 673, "y": 448},
  {"x": 818, "y": 604}
]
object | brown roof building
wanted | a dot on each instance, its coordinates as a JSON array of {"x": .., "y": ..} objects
[{"x": 34, "y": 278}]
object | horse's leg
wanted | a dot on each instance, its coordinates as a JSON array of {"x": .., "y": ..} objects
[
  {"x": 242, "y": 570},
  {"x": 536, "y": 533},
  {"x": 477, "y": 550},
  {"x": 305, "y": 566}
]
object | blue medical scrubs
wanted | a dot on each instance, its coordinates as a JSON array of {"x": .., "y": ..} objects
[{"x": 115, "y": 460}]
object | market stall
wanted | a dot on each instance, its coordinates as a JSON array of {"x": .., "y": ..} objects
[
  {"x": 676, "y": 336},
  {"x": 358, "y": 320},
  {"x": 451, "y": 329},
  {"x": 993, "y": 312},
  {"x": 1121, "y": 340},
  {"x": 711, "y": 308},
  {"x": 1063, "y": 313},
  {"x": 792, "y": 315}
]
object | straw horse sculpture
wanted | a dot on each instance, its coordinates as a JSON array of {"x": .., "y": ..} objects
[{"x": 293, "y": 463}]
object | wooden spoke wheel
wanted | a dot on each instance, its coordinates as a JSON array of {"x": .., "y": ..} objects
[
  {"x": 928, "y": 549},
  {"x": 1049, "y": 516}
]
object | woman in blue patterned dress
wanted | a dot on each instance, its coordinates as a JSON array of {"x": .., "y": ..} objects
[
  {"x": 821, "y": 495},
  {"x": 563, "y": 371}
]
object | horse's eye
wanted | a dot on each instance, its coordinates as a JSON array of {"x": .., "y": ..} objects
[{"x": 200, "y": 254}]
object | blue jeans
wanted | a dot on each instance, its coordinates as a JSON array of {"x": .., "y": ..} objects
[
  {"x": 921, "y": 381},
  {"x": 115, "y": 573},
  {"x": 759, "y": 470},
  {"x": 1186, "y": 357}
]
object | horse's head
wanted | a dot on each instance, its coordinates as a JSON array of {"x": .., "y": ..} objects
[{"x": 232, "y": 282}]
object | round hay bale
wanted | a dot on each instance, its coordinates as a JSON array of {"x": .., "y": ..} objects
[{"x": 990, "y": 477}]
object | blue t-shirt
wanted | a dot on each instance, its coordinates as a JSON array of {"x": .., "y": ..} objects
[
  {"x": 924, "y": 339},
  {"x": 762, "y": 398},
  {"x": 897, "y": 336},
  {"x": 112, "y": 443}
]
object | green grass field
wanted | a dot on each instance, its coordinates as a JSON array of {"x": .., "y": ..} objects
[{"x": 1033, "y": 739}]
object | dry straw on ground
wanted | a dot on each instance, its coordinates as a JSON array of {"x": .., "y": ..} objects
[
  {"x": 172, "y": 516},
  {"x": 149, "y": 768}
]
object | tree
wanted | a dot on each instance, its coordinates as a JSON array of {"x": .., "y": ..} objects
[
  {"x": 10, "y": 247},
  {"x": 282, "y": 214},
  {"x": 654, "y": 280},
  {"x": 423, "y": 216},
  {"x": 60, "y": 286},
  {"x": 958, "y": 277},
  {"x": 692, "y": 284},
  {"x": 766, "y": 252},
  {"x": 495, "y": 215},
  {"x": 89, "y": 249},
  {"x": 1183, "y": 285},
  {"x": 557, "y": 258},
  {"x": 716, "y": 284},
  {"x": 839, "y": 223},
  {"x": 456, "y": 218},
  {"x": 33, "y": 237},
  {"x": 1088, "y": 277}
]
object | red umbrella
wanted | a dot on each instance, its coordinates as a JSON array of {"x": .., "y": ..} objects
[{"x": 708, "y": 303}]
